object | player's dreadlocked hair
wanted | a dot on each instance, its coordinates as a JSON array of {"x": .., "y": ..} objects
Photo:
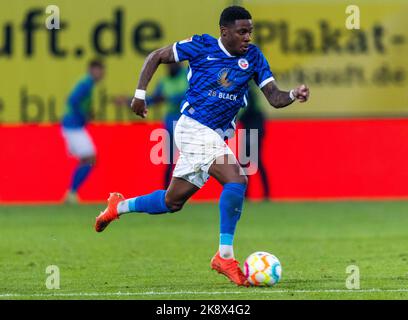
[{"x": 230, "y": 14}]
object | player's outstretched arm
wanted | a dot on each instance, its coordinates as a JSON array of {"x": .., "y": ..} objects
[
  {"x": 281, "y": 99},
  {"x": 153, "y": 60}
]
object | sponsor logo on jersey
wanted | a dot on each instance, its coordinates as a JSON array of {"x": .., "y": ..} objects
[
  {"x": 223, "y": 78},
  {"x": 222, "y": 95}
]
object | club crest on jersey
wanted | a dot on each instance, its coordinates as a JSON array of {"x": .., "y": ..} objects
[{"x": 243, "y": 63}]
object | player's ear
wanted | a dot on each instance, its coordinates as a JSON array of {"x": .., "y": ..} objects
[{"x": 223, "y": 31}]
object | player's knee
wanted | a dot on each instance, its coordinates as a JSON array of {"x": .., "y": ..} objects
[
  {"x": 91, "y": 160},
  {"x": 236, "y": 176},
  {"x": 174, "y": 205},
  {"x": 242, "y": 179},
  {"x": 239, "y": 176}
]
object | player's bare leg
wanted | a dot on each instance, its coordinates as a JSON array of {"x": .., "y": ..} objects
[
  {"x": 229, "y": 173},
  {"x": 178, "y": 192},
  {"x": 226, "y": 169},
  {"x": 160, "y": 201}
]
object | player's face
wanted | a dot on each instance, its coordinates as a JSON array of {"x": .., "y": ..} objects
[
  {"x": 238, "y": 36},
  {"x": 97, "y": 73}
]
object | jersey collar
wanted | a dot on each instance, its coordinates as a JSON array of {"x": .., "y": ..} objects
[{"x": 223, "y": 48}]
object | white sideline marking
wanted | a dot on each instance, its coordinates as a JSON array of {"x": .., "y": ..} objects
[{"x": 158, "y": 293}]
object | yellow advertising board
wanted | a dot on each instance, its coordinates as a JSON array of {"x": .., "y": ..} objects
[
  {"x": 351, "y": 71},
  {"x": 357, "y": 72},
  {"x": 39, "y": 66}
]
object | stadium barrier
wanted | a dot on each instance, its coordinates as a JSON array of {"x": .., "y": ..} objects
[{"x": 305, "y": 160}]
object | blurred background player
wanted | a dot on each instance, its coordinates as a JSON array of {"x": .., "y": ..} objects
[
  {"x": 77, "y": 114},
  {"x": 253, "y": 118},
  {"x": 170, "y": 90}
]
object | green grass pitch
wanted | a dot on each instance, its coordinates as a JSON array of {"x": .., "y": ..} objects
[{"x": 167, "y": 256}]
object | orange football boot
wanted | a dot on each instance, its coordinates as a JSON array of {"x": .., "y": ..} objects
[
  {"x": 110, "y": 213},
  {"x": 230, "y": 268}
]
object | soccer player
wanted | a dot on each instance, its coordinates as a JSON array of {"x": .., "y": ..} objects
[
  {"x": 77, "y": 138},
  {"x": 219, "y": 72}
]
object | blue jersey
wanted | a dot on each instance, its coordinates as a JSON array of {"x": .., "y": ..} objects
[
  {"x": 218, "y": 81},
  {"x": 78, "y": 105}
]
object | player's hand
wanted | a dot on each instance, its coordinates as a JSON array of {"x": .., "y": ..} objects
[
  {"x": 301, "y": 93},
  {"x": 139, "y": 107}
]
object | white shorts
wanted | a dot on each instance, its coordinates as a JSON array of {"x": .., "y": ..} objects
[
  {"x": 79, "y": 142},
  {"x": 199, "y": 146}
]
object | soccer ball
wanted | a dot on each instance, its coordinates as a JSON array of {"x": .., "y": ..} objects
[{"x": 262, "y": 269}]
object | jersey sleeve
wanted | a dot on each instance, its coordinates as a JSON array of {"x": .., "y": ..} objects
[
  {"x": 188, "y": 49},
  {"x": 263, "y": 73}
]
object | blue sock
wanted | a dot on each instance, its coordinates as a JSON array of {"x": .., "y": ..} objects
[
  {"x": 231, "y": 201},
  {"x": 80, "y": 174},
  {"x": 153, "y": 203}
]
